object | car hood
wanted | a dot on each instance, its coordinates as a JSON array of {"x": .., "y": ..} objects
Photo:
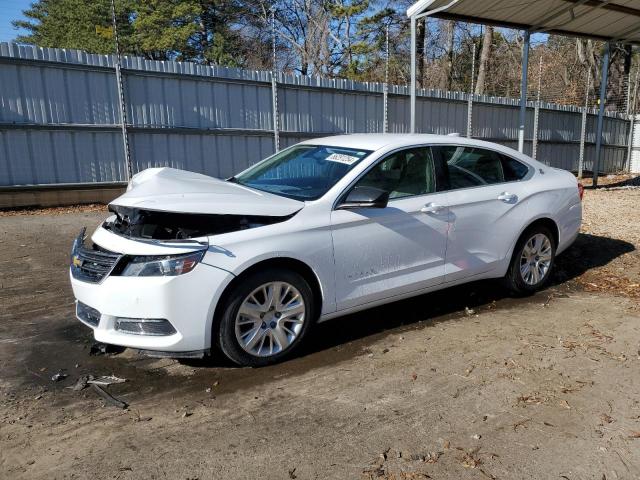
[{"x": 172, "y": 190}]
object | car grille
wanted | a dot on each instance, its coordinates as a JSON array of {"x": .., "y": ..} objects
[{"x": 92, "y": 264}]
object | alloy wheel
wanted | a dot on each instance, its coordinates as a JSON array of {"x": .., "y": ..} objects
[
  {"x": 270, "y": 319},
  {"x": 535, "y": 260}
]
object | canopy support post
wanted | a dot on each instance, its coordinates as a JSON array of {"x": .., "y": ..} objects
[
  {"x": 523, "y": 90},
  {"x": 603, "y": 97}
]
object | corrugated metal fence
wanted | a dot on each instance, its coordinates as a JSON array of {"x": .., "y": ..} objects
[{"x": 60, "y": 123}]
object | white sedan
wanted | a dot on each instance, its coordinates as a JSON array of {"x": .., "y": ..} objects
[{"x": 188, "y": 263}]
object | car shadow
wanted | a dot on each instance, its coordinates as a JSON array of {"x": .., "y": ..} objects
[
  {"x": 627, "y": 182},
  {"x": 586, "y": 253}
]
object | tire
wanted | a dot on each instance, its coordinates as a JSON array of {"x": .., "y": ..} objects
[
  {"x": 255, "y": 336},
  {"x": 521, "y": 281}
]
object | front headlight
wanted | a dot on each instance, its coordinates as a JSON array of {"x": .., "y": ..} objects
[{"x": 155, "y": 266}]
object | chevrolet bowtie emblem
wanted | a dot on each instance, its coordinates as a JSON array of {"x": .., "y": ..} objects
[{"x": 76, "y": 261}]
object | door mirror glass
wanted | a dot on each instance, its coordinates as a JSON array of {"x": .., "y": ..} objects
[{"x": 366, "y": 197}]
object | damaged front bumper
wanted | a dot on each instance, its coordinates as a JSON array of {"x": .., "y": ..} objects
[{"x": 168, "y": 315}]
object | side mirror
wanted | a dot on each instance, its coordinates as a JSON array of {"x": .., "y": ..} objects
[{"x": 365, "y": 197}]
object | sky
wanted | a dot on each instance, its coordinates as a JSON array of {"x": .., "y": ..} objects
[{"x": 11, "y": 10}]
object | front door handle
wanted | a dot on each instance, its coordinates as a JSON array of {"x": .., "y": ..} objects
[
  {"x": 507, "y": 197},
  {"x": 434, "y": 208}
]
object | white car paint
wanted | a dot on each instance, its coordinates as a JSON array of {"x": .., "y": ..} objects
[
  {"x": 360, "y": 258},
  {"x": 188, "y": 192}
]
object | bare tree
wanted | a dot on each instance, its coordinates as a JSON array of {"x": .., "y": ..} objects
[
  {"x": 485, "y": 55},
  {"x": 620, "y": 67},
  {"x": 448, "y": 71},
  {"x": 421, "y": 32}
]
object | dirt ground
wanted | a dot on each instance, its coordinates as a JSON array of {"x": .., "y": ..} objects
[{"x": 460, "y": 384}]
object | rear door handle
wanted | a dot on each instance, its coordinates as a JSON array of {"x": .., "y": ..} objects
[
  {"x": 434, "y": 208},
  {"x": 507, "y": 197}
]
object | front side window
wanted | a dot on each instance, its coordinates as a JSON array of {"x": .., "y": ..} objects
[
  {"x": 403, "y": 174},
  {"x": 302, "y": 172},
  {"x": 471, "y": 167}
]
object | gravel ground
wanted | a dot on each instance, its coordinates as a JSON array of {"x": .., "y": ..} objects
[
  {"x": 460, "y": 384},
  {"x": 614, "y": 214}
]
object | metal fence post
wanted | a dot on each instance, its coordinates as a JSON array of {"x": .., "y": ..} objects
[
  {"x": 274, "y": 86},
  {"x": 412, "y": 120},
  {"x": 536, "y": 115},
  {"x": 583, "y": 129},
  {"x": 385, "y": 91},
  {"x": 523, "y": 91},
  {"x": 276, "y": 115},
  {"x": 604, "y": 77},
  {"x": 470, "y": 100},
  {"x": 631, "y": 105},
  {"x": 121, "y": 100}
]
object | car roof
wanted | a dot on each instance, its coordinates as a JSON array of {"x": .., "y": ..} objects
[{"x": 377, "y": 141}]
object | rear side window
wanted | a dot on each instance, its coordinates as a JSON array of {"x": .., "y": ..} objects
[
  {"x": 470, "y": 167},
  {"x": 513, "y": 169}
]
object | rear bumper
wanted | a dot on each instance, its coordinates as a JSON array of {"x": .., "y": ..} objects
[{"x": 187, "y": 301}]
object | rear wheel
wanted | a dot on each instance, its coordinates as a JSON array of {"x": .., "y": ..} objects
[
  {"x": 266, "y": 317},
  {"x": 532, "y": 262}
]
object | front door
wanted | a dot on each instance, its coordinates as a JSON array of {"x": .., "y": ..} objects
[{"x": 383, "y": 252}]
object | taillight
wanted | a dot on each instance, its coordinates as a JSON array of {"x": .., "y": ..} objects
[{"x": 580, "y": 190}]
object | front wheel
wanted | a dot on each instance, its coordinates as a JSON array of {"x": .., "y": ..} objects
[
  {"x": 532, "y": 261},
  {"x": 266, "y": 317}
]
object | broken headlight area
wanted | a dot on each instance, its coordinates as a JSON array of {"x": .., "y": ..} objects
[
  {"x": 159, "y": 266},
  {"x": 154, "y": 225}
]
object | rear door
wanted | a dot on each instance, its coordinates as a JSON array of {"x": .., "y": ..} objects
[
  {"x": 485, "y": 195},
  {"x": 384, "y": 252}
]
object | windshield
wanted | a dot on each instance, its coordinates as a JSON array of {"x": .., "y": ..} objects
[{"x": 302, "y": 172}]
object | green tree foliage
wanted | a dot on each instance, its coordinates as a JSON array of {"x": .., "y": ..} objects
[
  {"x": 79, "y": 24},
  {"x": 205, "y": 31}
]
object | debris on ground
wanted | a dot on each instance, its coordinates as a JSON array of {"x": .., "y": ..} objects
[
  {"x": 81, "y": 383},
  {"x": 417, "y": 457},
  {"x": 469, "y": 311},
  {"x": 99, "y": 348},
  {"x": 106, "y": 380},
  {"x": 470, "y": 458},
  {"x": 139, "y": 418},
  {"x": 108, "y": 397},
  {"x": 58, "y": 376},
  {"x": 432, "y": 457},
  {"x": 606, "y": 418}
]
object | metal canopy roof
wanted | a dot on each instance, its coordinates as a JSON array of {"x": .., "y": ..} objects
[{"x": 616, "y": 20}]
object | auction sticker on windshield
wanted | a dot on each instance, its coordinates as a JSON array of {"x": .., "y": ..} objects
[{"x": 342, "y": 158}]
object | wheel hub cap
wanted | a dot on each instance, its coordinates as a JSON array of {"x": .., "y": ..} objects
[
  {"x": 270, "y": 319},
  {"x": 536, "y": 259}
]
